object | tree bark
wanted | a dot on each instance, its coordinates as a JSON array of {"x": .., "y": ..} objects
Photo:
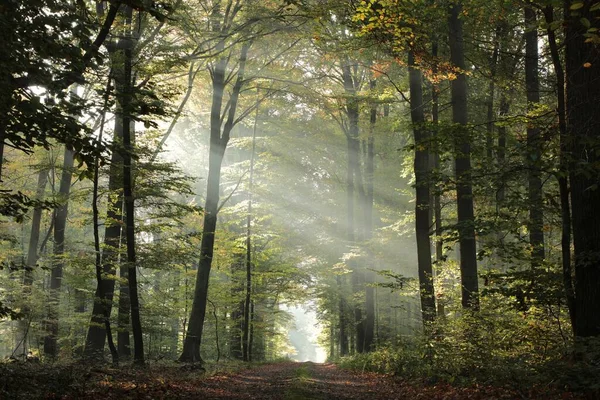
[
  {"x": 583, "y": 119},
  {"x": 30, "y": 263},
  {"x": 60, "y": 225},
  {"x": 534, "y": 153},
  {"x": 103, "y": 298},
  {"x": 246, "y": 334},
  {"x": 464, "y": 190},
  {"x": 100, "y": 294},
  {"x": 563, "y": 173},
  {"x": 136, "y": 325},
  {"x": 421, "y": 169},
  {"x": 218, "y": 144},
  {"x": 369, "y": 335},
  {"x": 123, "y": 317},
  {"x": 354, "y": 187}
]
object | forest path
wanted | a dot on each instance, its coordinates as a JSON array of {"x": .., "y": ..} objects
[
  {"x": 275, "y": 381},
  {"x": 297, "y": 381}
]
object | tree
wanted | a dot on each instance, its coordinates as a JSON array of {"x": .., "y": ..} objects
[
  {"x": 534, "y": 143},
  {"x": 464, "y": 190},
  {"x": 221, "y": 123},
  {"x": 422, "y": 205},
  {"x": 60, "y": 225},
  {"x": 582, "y": 68}
]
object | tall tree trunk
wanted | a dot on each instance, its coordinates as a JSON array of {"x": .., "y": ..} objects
[
  {"x": 136, "y": 325},
  {"x": 343, "y": 334},
  {"x": 236, "y": 316},
  {"x": 251, "y": 333},
  {"x": 489, "y": 137},
  {"x": 437, "y": 204},
  {"x": 103, "y": 298},
  {"x": 369, "y": 335},
  {"x": 123, "y": 317},
  {"x": 464, "y": 190},
  {"x": 30, "y": 263},
  {"x": 421, "y": 169},
  {"x": 583, "y": 119},
  {"x": 99, "y": 299},
  {"x": 534, "y": 153},
  {"x": 563, "y": 173},
  {"x": 60, "y": 225},
  {"x": 218, "y": 144},
  {"x": 435, "y": 162},
  {"x": 246, "y": 334},
  {"x": 353, "y": 187}
]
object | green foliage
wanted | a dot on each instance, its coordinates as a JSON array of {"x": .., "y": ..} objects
[{"x": 496, "y": 346}]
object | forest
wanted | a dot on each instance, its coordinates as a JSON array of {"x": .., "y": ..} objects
[{"x": 193, "y": 193}]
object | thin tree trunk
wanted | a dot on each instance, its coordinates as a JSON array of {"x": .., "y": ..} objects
[
  {"x": 563, "y": 173},
  {"x": 343, "y": 335},
  {"x": 490, "y": 99},
  {"x": 353, "y": 185},
  {"x": 136, "y": 325},
  {"x": 464, "y": 190},
  {"x": 30, "y": 264},
  {"x": 251, "y": 334},
  {"x": 218, "y": 144},
  {"x": 236, "y": 317},
  {"x": 101, "y": 295},
  {"x": 369, "y": 335},
  {"x": 534, "y": 153},
  {"x": 123, "y": 317},
  {"x": 437, "y": 203},
  {"x": 421, "y": 169},
  {"x": 96, "y": 335},
  {"x": 245, "y": 336},
  {"x": 60, "y": 225}
]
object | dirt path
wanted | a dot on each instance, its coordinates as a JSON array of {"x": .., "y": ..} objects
[
  {"x": 309, "y": 381},
  {"x": 278, "y": 381},
  {"x": 297, "y": 381}
]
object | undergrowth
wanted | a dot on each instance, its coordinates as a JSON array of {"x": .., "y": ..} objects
[{"x": 497, "y": 346}]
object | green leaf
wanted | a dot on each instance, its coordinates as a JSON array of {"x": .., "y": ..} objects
[
  {"x": 576, "y": 6},
  {"x": 595, "y": 7},
  {"x": 585, "y": 22}
]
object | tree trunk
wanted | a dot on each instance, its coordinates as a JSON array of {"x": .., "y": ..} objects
[
  {"x": 354, "y": 185},
  {"x": 437, "y": 203},
  {"x": 218, "y": 144},
  {"x": 534, "y": 153},
  {"x": 96, "y": 335},
  {"x": 30, "y": 264},
  {"x": 464, "y": 190},
  {"x": 421, "y": 169},
  {"x": 343, "y": 334},
  {"x": 136, "y": 325},
  {"x": 563, "y": 173},
  {"x": 103, "y": 298},
  {"x": 246, "y": 334},
  {"x": 583, "y": 120},
  {"x": 123, "y": 320},
  {"x": 60, "y": 225},
  {"x": 100, "y": 295},
  {"x": 369, "y": 335}
]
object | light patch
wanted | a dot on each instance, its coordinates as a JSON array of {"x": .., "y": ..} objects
[{"x": 304, "y": 334}]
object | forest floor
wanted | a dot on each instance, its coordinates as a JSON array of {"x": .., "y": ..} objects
[{"x": 283, "y": 380}]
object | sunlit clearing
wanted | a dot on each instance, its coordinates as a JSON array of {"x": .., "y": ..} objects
[{"x": 304, "y": 334}]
